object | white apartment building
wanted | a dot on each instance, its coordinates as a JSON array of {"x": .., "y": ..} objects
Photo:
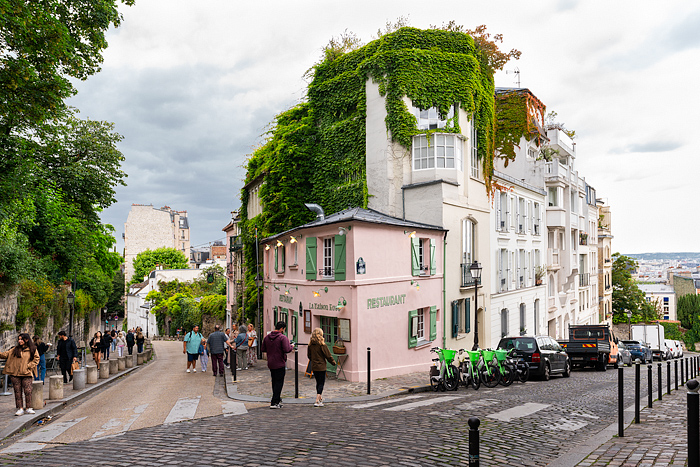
[
  {"x": 605, "y": 264},
  {"x": 149, "y": 228},
  {"x": 572, "y": 215},
  {"x": 664, "y": 297}
]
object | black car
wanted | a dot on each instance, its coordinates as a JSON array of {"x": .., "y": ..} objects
[
  {"x": 639, "y": 351},
  {"x": 542, "y": 353}
]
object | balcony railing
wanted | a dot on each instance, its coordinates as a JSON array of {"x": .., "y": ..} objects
[
  {"x": 236, "y": 243},
  {"x": 466, "y": 274},
  {"x": 583, "y": 239},
  {"x": 504, "y": 285},
  {"x": 583, "y": 279},
  {"x": 522, "y": 281},
  {"x": 326, "y": 273}
]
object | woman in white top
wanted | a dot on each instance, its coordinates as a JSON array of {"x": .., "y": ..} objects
[
  {"x": 253, "y": 346},
  {"x": 121, "y": 343}
]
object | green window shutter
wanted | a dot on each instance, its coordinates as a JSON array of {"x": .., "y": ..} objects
[
  {"x": 276, "y": 269},
  {"x": 433, "y": 323},
  {"x": 415, "y": 265},
  {"x": 433, "y": 259},
  {"x": 467, "y": 316},
  {"x": 412, "y": 339},
  {"x": 311, "y": 258},
  {"x": 282, "y": 264},
  {"x": 274, "y": 317},
  {"x": 455, "y": 318},
  {"x": 339, "y": 257}
]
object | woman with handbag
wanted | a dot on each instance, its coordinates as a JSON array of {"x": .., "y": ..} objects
[
  {"x": 252, "y": 346},
  {"x": 318, "y": 354},
  {"x": 21, "y": 364},
  {"x": 96, "y": 348}
]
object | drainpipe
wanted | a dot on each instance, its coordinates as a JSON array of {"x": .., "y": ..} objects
[
  {"x": 403, "y": 203},
  {"x": 444, "y": 292}
]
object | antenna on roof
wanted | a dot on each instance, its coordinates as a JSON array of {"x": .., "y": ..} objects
[{"x": 516, "y": 72}]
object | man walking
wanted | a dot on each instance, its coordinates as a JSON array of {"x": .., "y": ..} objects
[
  {"x": 130, "y": 341},
  {"x": 277, "y": 347},
  {"x": 66, "y": 353},
  {"x": 107, "y": 338},
  {"x": 190, "y": 346},
  {"x": 216, "y": 342}
]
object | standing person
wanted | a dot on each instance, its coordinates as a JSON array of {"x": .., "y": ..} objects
[
  {"x": 252, "y": 346},
  {"x": 130, "y": 341},
  {"x": 106, "y": 344},
  {"x": 21, "y": 364},
  {"x": 203, "y": 355},
  {"x": 96, "y": 345},
  {"x": 190, "y": 346},
  {"x": 226, "y": 347},
  {"x": 66, "y": 353},
  {"x": 216, "y": 342},
  {"x": 140, "y": 339},
  {"x": 241, "y": 344},
  {"x": 113, "y": 335},
  {"x": 277, "y": 347},
  {"x": 121, "y": 343},
  {"x": 42, "y": 347},
  {"x": 318, "y": 354}
]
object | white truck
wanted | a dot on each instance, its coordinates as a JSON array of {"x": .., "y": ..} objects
[{"x": 653, "y": 336}]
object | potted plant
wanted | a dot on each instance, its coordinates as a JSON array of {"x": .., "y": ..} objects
[
  {"x": 339, "y": 346},
  {"x": 539, "y": 274}
]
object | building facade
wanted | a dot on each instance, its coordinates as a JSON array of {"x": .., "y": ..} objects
[
  {"x": 234, "y": 270},
  {"x": 605, "y": 263}
]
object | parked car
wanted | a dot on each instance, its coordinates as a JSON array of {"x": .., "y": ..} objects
[
  {"x": 673, "y": 348},
  {"x": 680, "y": 349},
  {"x": 544, "y": 355},
  {"x": 625, "y": 356},
  {"x": 639, "y": 350}
]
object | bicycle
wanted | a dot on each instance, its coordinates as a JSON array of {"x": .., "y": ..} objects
[
  {"x": 492, "y": 371},
  {"x": 518, "y": 366},
  {"x": 469, "y": 367},
  {"x": 446, "y": 378}
]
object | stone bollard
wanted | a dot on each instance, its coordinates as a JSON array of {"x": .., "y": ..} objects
[
  {"x": 122, "y": 363},
  {"x": 139, "y": 358},
  {"x": 113, "y": 366},
  {"x": 37, "y": 402},
  {"x": 129, "y": 361},
  {"x": 56, "y": 387},
  {"x": 79, "y": 379},
  {"x": 104, "y": 370},
  {"x": 91, "y": 371},
  {"x": 149, "y": 353}
]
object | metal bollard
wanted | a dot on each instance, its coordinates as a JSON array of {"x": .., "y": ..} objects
[
  {"x": 296, "y": 372},
  {"x": 637, "y": 371},
  {"x": 661, "y": 383},
  {"x": 650, "y": 387},
  {"x": 693, "y": 423},
  {"x": 473, "y": 423},
  {"x": 620, "y": 403},
  {"x": 675, "y": 373},
  {"x": 682, "y": 373},
  {"x": 668, "y": 377},
  {"x": 369, "y": 379}
]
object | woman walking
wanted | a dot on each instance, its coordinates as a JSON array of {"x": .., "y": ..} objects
[
  {"x": 21, "y": 364},
  {"x": 42, "y": 347},
  {"x": 121, "y": 343},
  {"x": 241, "y": 344},
  {"x": 96, "y": 345},
  {"x": 319, "y": 354},
  {"x": 252, "y": 346}
]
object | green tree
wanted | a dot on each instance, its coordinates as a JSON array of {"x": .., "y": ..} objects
[
  {"x": 146, "y": 261},
  {"x": 115, "y": 302},
  {"x": 626, "y": 294},
  {"x": 688, "y": 310}
]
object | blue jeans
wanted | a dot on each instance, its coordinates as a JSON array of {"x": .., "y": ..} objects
[{"x": 42, "y": 369}]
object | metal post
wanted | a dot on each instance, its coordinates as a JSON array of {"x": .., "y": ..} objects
[
  {"x": 668, "y": 377},
  {"x": 232, "y": 361},
  {"x": 661, "y": 383},
  {"x": 473, "y": 423},
  {"x": 296, "y": 372},
  {"x": 369, "y": 379},
  {"x": 693, "y": 424},
  {"x": 650, "y": 388},
  {"x": 675, "y": 373},
  {"x": 682, "y": 374},
  {"x": 476, "y": 321},
  {"x": 620, "y": 403},
  {"x": 687, "y": 372},
  {"x": 637, "y": 371}
]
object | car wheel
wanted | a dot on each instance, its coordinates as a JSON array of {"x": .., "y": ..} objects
[
  {"x": 547, "y": 372},
  {"x": 567, "y": 369}
]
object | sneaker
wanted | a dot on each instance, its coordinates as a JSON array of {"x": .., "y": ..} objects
[
  {"x": 239, "y": 369},
  {"x": 273, "y": 406},
  {"x": 19, "y": 412},
  {"x": 204, "y": 371},
  {"x": 194, "y": 370},
  {"x": 188, "y": 370},
  {"x": 214, "y": 375},
  {"x": 245, "y": 368},
  {"x": 317, "y": 404},
  {"x": 29, "y": 410}
]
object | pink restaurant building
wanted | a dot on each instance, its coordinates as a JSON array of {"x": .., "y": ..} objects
[{"x": 367, "y": 278}]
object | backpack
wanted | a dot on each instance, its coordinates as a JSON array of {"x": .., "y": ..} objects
[{"x": 139, "y": 335}]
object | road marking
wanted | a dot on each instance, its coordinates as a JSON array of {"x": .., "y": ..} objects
[
  {"x": 184, "y": 409},
  {"x": 390, "y": 401},
  {"x": 413, "y": 405},
  {"x": 230, "y": 408},
  {"x": 116, "y": 426},
  {"x": 42, "y": 437},
  {"x": 519, "y": 411}
]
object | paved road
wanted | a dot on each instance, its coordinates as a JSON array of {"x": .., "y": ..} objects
[{"x": 535, "y": 424}]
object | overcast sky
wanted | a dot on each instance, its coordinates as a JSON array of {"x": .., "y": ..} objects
[{"x": 192, "y": 87}]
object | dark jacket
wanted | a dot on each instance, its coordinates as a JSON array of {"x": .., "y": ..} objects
[
  {"x": 318, "y": 355},
  {"x": 277, "y": 347},
  {"x": 107, "y": 340},
  {"x": 66, "y": 351},
  {"x": 130, "y": 339},
  {"x": 215, "y": 342}
]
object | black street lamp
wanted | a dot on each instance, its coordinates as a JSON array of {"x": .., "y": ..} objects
[
  {"x": 71, "y": 302},
  {"x": 475, "y": 270}
]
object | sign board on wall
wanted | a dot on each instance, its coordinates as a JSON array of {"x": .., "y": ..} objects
[
  {"x": 360, "y": 266},
  {"x": 344, "y": 329}
]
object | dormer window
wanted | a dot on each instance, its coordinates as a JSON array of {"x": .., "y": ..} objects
[{"x": 430, "y": 119}]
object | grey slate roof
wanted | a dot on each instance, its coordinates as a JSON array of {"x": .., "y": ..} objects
[{"x": 363, "y": 215}]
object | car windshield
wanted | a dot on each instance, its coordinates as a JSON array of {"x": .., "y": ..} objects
[
  {"x": 631, "y": 343},
  {"x": 518, "y": 343}
]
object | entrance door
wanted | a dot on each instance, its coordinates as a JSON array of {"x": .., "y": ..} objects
[{"x": 329, "y": 325}]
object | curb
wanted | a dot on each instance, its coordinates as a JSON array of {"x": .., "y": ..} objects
[
  {"x": 232, "y": 393},
  {"x": 24, "y": 422}
]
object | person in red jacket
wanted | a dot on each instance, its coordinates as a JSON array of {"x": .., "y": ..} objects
[{"x": 277, "y": 347}]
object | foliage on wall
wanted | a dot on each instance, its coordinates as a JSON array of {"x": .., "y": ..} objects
[{"x": 518, "y": 114}]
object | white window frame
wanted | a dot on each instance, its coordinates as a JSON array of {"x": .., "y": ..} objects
[
  {"x": 420, "y": 325},
  {"x": 433, "y": 152},
  {"x": 475, "y": 167},
  {"x": 429, "y": 119},
  {"x": 328, "y": 248}
]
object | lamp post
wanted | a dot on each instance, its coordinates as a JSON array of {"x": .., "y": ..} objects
[
  {"x": 475, "y": 270},
  {"x": 629, "y": 323},
  {"x": 147, "y": 305},
  {"x": 71, "y": 302}
]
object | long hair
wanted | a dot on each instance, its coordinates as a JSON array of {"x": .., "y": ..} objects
[
  {"x": 28, "y": 344},
  {"x": 317, "y": 337}
]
